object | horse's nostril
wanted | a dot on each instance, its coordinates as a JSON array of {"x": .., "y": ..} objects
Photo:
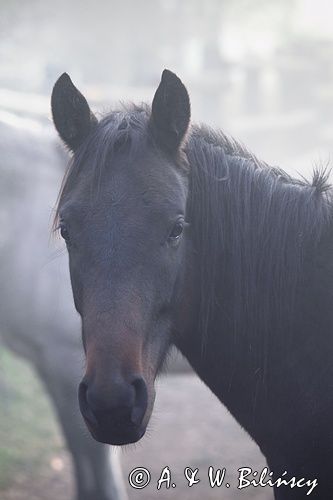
[
  {"x": 123, "y": 404},
  {"x": 84, "y": 405},
  {"x": 141, "y": 400},
  {"x": 83, "y": 388}
]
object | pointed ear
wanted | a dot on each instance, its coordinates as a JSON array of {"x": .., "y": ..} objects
[
  {"x": 71, "y": 113},
  {"x": 170, "y": 113}
]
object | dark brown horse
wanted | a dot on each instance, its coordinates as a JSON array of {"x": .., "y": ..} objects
[{"x": 178, "y": 235}]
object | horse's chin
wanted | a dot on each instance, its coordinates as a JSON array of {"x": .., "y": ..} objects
[{"x": 118, "y": 437}]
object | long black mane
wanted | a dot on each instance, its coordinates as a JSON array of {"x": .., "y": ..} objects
[{"x": 253, "y": 225}]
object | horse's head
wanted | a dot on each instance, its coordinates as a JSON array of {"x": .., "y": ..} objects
[{"x": 122, "y": 212}]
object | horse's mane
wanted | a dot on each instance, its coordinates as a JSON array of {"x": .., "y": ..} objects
[{"x": 254, "y": 226}]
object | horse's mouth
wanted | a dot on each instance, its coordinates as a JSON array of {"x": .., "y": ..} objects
[{"x": 118, "y": 436}]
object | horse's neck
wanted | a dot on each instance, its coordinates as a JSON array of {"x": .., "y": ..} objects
[{"x": 260, "y": 388}]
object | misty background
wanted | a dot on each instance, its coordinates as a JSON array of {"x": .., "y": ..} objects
[{"x": 262, "y": 70}]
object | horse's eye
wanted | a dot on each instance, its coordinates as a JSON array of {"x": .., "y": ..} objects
[
  {"x": 176, "y": 231},
  {"x": 64, "y": 232}
]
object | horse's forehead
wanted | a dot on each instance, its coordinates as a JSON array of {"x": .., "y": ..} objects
[
  {"x": 146, "y": 176},
  {"x": 126, "y": 184}
]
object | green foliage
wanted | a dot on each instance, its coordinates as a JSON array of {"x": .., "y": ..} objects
[{"x": 28, "y": 431}]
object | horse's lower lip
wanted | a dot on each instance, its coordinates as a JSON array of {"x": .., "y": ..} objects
[{"x": 116, "y": 437}]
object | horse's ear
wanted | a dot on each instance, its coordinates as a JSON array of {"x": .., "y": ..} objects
[
  {"x": 71, "y": 113},
  {"x": 170, "y": 113}
]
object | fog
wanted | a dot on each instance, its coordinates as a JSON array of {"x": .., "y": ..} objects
[{"x": 260, "y": 70}]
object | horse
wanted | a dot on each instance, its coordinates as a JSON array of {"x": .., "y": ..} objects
[
  {"x": 36, "y": 320},
  {"x": 178, "y": 235}
]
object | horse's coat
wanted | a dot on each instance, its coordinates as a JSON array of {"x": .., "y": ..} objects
[{"x": 177, "y": 234}]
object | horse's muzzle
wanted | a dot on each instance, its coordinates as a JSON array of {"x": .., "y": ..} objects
[{"x": 115, "y": 416}]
